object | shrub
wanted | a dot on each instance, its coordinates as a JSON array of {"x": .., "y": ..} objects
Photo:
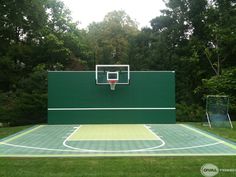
[{"x": 189, "y": 113}]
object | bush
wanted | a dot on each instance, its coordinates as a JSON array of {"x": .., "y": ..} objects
[
  {"x": 224, "y": 84},
  {"x": 189, "y": 113},
  {"x": 28, "y": 104}
]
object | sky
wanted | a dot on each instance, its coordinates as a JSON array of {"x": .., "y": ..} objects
[{"x": 88, "y": 11}]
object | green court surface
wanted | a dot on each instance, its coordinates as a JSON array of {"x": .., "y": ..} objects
[{"x": 115, "y": 140}]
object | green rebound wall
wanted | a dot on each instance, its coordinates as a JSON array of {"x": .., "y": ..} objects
[{"x": 74, "y": 98}]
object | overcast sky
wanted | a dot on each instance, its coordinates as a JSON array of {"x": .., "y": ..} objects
[{"x": 87, "y": 11}]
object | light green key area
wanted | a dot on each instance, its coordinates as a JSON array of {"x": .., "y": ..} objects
[{"x": 113, "y": 132}]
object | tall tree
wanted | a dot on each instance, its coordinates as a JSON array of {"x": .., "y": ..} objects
[
  {"x": 35, "y": 36},
  {"x": 110, "y": 38},
  {"x": 220, "y": 49}
]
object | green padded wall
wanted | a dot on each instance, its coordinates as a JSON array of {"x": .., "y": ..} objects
[{"x": 74, "y": 98}]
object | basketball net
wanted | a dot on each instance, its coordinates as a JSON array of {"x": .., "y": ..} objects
[{"x": 112, "y": 84}]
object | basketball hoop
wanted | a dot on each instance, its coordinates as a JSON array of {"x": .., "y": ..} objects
[{"x": 112, "y": 84}]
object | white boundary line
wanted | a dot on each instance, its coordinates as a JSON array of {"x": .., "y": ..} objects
[
  {"x": 95, "y": 71},
  {"x": 209, "y": 136},
  {"x": 21, "y": 133},
  {"x": 120, "y": 155},
  {"x": 98, "y": 109},
  {"x": 119, "y": 151},
  {"x": 71, "y": 134},
  {"x": 69, "y": 150},
  {"x": 190, "y": 147},
  {"x": 147, "y": 127}
]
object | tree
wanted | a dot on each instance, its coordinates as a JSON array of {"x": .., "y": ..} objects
[
  {"x": 140, "y": 53},
  {"x": 224, "y": 84},
  {"x": 110, "y": 38},
  {"x": 220, "y": 49},
  {"x": 35, "y": 36}
]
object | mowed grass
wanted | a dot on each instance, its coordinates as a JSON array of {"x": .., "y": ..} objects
[
  {"x": 224, "y": 132},
  {"x": 112, "y": 167},
  {"x": 115, "y": 166},
  {"x": 6, "y": 131}
]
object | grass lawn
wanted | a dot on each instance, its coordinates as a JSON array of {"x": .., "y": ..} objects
[
  {"x": 224, "y": 132},
  {"x": 115, "y": 166},
  {"x": 6, "y": 131}
]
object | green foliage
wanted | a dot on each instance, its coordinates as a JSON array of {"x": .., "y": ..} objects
[
  {"x": 193, "y": 37},
  {"x": 52, "y": 50},
  {"x": 110, "y": 38},
  {"x": 28, "y": 104},
  {"x": 35, "y": 36},
  {"x": 21, "y": 21},
  {"x": 225, "y": 84},
  {"x": 189, "y": 113},
  {"x": 6, "y": 108},
  {"x": 7, "y": 79},
  {"x": 196, "y": 38},
  {"x": 140, "y": 51}
]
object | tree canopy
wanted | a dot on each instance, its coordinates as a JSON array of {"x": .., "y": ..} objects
[
  {"x": 196, "y": 38},
  {"x": 110, "y": 39}
]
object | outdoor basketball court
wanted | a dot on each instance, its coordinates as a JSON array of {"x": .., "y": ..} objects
[
  {"x": 114, "y": 140},
  {"x": 114, "y": 112}
]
